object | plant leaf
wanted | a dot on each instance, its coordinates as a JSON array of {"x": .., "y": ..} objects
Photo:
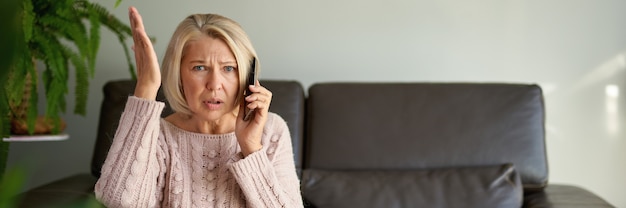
[
  {"x": 31, "y": 115},
  {"x": 94, "y": 40},
  {"x": 11, "y": 182},
  {"x": 28, "y": 20},
  {"x": 82, "y": 82}
]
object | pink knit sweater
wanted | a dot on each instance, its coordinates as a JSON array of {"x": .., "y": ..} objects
[{"x": 152, "y": 163}]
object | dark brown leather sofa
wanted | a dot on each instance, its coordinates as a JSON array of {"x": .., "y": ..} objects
[{"x": 388, "y": 145}]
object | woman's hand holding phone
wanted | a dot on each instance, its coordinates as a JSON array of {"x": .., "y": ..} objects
[{"x": 256, "y": 103}]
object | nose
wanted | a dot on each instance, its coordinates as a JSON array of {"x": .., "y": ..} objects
[{"x": 214, "y": 81}]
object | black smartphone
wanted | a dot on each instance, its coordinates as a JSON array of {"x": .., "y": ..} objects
[{"x": 252, "y": 77}]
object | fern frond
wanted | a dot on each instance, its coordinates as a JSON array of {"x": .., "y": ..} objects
[
  {"x": 72, "y": 30},
  {"x": 52, "y": 57},
  {"x": 28, "y": 19},
  {"x": 109, "y": 20},
  {"x": 94, "y": 41},
  {"x": 87, "y": 9},
  {"x": 5, "y": 121},
  {"x": 122, "y": 31},
  {"x": 55, "y": 101},
  {"x": 23, "y": 65},
  {"x": 55, "y": 76},
  {"x": 31, "y": 114},
  {"x": 84, "y": 10},
  {"x": 53, "y": 93},
  {"x": 15, "y": 84},
  {"x": 82, "y": 82}
]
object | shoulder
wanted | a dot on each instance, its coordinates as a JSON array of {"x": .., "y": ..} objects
[
  {"x": 275, "y": 127},
  {"x": 276, "y": 133},
  {"x": 275, "y": 122}
]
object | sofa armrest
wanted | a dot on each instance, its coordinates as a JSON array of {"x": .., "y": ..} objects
[
  {"x": 564, "y": 196},
  {"x": 73, "y": 191}
]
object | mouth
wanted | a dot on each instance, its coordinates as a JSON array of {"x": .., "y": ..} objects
[{"x": 213, "y": 104}]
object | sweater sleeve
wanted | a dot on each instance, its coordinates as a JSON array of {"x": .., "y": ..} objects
[
  {"x": 131, "y": 174},
  {"x": 269, "y": 182}
]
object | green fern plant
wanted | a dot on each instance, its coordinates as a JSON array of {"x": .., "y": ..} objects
[{"x": 62, "y": 34}]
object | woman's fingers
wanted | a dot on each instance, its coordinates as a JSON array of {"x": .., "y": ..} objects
[
  {"x": 135, "y": 19},
  {"x": 136, "y": 24},
  {"x": 259, "y": 99},
  {"x": 148, "y": 72},
  {"x": 138, "y": 46},
  {"x": 142, "y": 45}
]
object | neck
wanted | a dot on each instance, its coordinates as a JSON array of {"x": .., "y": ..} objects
[{"x": 224, "y": 125}]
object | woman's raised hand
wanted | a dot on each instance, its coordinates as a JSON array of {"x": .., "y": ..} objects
[{"x": 148, "y": 71}]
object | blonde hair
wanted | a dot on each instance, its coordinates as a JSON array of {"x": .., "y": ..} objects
[{"x": 193, "y": 26}]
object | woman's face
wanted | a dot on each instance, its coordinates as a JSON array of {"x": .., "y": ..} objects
[{"x": 210, "y": 78}]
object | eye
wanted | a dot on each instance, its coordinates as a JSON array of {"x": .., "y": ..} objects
[
  {"x": 198, "y": 68},
  {"x": 229, "y": 68}
]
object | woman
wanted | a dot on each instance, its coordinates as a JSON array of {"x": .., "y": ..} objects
[{"x": 204, "y": 154}]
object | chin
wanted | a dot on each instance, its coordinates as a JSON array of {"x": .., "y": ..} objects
[{"x": 213, "y": 116}]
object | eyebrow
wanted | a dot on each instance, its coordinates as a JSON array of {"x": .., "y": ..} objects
[
  {"x": 228, "y": 62},
  {"x": 221, "y": 62}
]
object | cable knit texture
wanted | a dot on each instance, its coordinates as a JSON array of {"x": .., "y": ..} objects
[{"x": 152, "y": 163}]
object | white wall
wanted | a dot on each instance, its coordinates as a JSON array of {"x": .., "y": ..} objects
[{"x": 572, "y": 48}]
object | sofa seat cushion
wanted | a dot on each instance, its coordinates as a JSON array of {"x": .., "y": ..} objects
[
  {"x": 564, "y": 196},
  {"x": 487, "y": 186},
  {"x": 73, "y": 191}
]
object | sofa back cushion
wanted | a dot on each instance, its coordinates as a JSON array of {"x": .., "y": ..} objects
[
  {"x": 407, "y": 126},
  {"x": 287, "y": 101}
]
